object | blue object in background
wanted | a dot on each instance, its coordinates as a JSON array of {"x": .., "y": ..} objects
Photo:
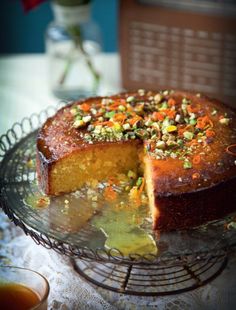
[{"x": 22, "y": 32}]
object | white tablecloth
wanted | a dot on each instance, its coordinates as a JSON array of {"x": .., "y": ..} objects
[
  {"x": 24, "y": 85},
  {"x": 71, "y": 292}
]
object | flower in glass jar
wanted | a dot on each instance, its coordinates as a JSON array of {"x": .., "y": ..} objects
[{"x": 68, "y": 13}]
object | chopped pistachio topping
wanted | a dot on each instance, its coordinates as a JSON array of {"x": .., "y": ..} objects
[
  {"x": 87, "y": 118},
  {"x": 187, "y": 164},
  {"x": 78, "y": 123},
  {"x": 130, "y": 99},
  {"x": 171, "y": 126},
  {"x": 160, "y": 145},
  {"x": 193, "y": 122},
  {"x": 132, "y": 175},
  {"x": 157, "y": 98},
  {"x": 73, "y": 111},
  {"x": 166, "y": 92},
  {"x": 224, "y": 121},
  {"x": 139, "y": 182},
  {"x": 188, "y": 135},
  {"x": 126, "y": 126}
]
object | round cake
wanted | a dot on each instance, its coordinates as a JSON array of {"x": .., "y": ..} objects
[{"x": 183, "y": 143}]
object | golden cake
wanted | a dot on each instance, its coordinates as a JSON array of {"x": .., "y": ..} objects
[{"x": 183, "y": 143}]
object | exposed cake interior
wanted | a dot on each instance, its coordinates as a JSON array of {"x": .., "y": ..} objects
[
  {"x": 150, "y": 189},
  {"x": 93, "y": 165}
]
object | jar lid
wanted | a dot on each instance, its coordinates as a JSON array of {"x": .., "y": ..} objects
[
  {"x": 71, "y": 2},
  {"x": 71, "y": 15}
]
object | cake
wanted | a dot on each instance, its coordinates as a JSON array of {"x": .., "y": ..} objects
[{"x": 183, "y": 143}]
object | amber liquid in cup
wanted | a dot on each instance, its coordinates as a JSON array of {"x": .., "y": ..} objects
[
  {"x": 15, "y": 296},
  {"x": 22, "y": 289}
]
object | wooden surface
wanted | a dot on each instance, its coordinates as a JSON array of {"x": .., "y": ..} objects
[{"x": 171, "y": 48}]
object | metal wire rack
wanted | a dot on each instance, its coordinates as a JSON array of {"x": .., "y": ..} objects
[
  {"x": 151, "y": 280},
  {"x": 185, "y": 260}
]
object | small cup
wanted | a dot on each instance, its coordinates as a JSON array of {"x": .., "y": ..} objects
[{"x": 29, "y": 279}]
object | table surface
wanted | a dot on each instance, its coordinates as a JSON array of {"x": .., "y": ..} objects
[
  {"x": 24, "y": 85},
  {"x": 24, "y": 90}
]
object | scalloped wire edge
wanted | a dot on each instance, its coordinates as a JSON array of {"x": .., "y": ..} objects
[
  {"x": 84, "y": 252},
  {"x": 40, "y": 118},
  {"x": 95, "y": 255}
]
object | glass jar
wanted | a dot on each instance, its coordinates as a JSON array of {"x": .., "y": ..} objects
[{"x": 73, "y": 45}]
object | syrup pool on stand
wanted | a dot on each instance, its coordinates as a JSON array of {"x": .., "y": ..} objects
[
  {"x": 117, "y": 214},
  {"x": 121, "y": 222}
]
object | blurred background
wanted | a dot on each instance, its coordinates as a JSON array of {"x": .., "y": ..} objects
[
  {"x": 41, "y": 63},
  {"x": 22, "y": 32}
]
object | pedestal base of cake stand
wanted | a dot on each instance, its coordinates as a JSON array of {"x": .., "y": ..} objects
[{"x": 148, "y": 279}]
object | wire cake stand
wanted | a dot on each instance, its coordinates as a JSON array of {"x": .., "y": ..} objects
[{"x": 185, "y": 259}]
